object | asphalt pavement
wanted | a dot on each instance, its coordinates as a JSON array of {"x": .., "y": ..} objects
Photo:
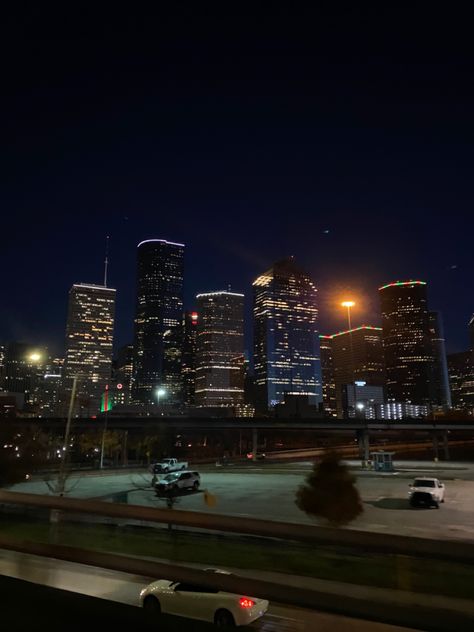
[
  {"x": 125, "y": 588},
  {"x": 267, "y": 491}
]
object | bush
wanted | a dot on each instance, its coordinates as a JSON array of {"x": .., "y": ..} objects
[{"x": 329, "y": 492}]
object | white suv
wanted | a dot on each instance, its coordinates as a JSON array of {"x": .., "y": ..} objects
[
  {"x": 427, "y": 492},
  {"x": 178, "y": 481}
]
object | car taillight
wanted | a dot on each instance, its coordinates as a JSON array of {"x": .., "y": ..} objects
[{"x": 245, "y": 602}]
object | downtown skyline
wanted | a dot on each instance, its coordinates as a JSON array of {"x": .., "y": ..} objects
[{"x": 332, "y": 316}]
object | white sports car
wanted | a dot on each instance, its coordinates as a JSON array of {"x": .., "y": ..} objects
[{"x": 201, "y": 602}]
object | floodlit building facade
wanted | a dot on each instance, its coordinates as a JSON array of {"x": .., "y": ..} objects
[
  {"x": 220, "y": 349},
  {"x": 89, "y": 342},
  {"x": 188, "y": 363},
  {"x": 441, "y": 392},
  {"x": 286, "y": 338},
  {"x": 408, "y": 350},
  {"x": 356, "y": 355},
  {"x": 327, "y": 371}
]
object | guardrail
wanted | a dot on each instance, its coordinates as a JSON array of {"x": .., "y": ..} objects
[
  {"x": 410, "y": 614},
  {"x": 459, "y": 551}
]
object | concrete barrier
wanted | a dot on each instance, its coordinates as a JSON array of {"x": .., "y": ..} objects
[{"x": 459, "y": 551}]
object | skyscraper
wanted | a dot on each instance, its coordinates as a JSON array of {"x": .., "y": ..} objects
[
  {"x": 461, "y": 379},
  {"x": 286, "y": 340},
  {"x": 188, "y": 364},
  {"x": 357, "y": 355},
  {"x": 327, "y": 371},
  {"x": 23, "y": 370},
  {"x": 89, "y": 341},
  {"x": 440, "y": 385},
  {"x": 123, "y": 375},
  {"x": 407, "y": 342},
  {"x": 461, "y": 375},
  {"x": 158, "y": 322},
  {"x": 220, "y": 349}
]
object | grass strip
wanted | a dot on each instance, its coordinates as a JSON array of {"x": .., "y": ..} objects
[{"x": 244, "y": 552}]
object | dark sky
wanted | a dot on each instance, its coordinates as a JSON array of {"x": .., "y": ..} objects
[{"x": 343, "y": 137}]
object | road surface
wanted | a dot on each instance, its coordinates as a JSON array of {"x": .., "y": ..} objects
[
  {"x": 268, "y": 492},
  {"x": 124, "y": 588}
]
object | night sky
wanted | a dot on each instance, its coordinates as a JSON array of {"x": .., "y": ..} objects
[{"x": 344, "y": 138}]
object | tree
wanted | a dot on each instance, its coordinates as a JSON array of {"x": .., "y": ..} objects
[
  {"x": 329, "y": 492},
  {"x": 22, "y": 452}
]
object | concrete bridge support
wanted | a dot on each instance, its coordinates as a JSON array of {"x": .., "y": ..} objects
[
  {"x": 446, "y": 445},
  {"x": 254, "y": 444},
  {"x": 364, "y": 446},
  {"x": 435, "y": 446}
]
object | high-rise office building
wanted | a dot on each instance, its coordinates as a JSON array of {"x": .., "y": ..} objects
[
  {"x": 123, "y": 376},
  {"x": 440, "y": 384},
  {"x": 407, "y": 343},
  {"x": 357, "y": 355},
  {"x": 461, "y": 379},
  {"x": 158, "y": 322},
  {"x": 22, "y": 372},
  {"x": 48, "y": 393},
  {"x": 220, "y": 349},
  {"x": 286, "y": 339},
  {"x": 327, "y": 371},
  {"x": 461, "y": 375},
  {"x": 360, "y": 400},
  {"x": 188, "y": 363},
  {"x": 89, "y": 341}
]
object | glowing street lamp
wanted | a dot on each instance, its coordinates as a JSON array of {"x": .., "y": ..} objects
[
  {"x": 160, "y": 392},
  {"x": 348, "y": 305},
  {"x": 34, "y": 357}
]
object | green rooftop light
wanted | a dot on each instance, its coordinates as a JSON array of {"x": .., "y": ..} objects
[
  {"x": 350, "y": 331},
  {"x": 401, "y": 283}
]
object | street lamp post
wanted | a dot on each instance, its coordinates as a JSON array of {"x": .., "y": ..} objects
[
  {"x": 104, "y": 431},
  {"x": 62, "y": 475},
  {"x": 349, "y": 305},
  {"x": 160, "y": 392}
]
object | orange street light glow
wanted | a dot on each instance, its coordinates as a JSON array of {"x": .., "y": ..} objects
[{"x": 348, "y": 304}]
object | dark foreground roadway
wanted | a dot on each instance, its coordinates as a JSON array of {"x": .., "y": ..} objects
[
  {"x": 27, "y": 606},
  {"x": 110, "y": 599}
]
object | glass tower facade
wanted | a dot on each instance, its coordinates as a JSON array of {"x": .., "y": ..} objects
[
  {"x": 357, "y": 355},
  {"x": 89, "y": 341},
  {"x": 286, "y": 340},
  {"x": 442, "y": 392},
  {"x": 407, "y": 342},
  {"x": 220, "y": 349},
  {"x": 158, "y": 322},
  {"x": 188, "y": 365}
]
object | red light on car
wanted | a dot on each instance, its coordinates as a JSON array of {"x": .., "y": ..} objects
[
  {"x": 245, "y": 602},
  {"x": 249, "y": 455}
]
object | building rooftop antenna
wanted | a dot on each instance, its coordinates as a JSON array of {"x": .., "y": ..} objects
[{"x": 106, "y": 262}]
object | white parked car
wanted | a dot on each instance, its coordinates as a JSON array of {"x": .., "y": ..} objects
[
  {"x": 168, "y": 465},
  {"x": 426, "y": 491},
  {"x": 178, "y": 480},
  {"x": 201, "y": 602}
]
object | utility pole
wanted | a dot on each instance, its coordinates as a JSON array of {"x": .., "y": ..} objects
[{"x": 62, "y": 468}]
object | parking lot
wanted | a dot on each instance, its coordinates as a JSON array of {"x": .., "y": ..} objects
[{"x": 268, "y": 491}]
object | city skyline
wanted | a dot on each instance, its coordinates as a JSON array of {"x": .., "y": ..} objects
[{"x": 333, "y": 315}]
